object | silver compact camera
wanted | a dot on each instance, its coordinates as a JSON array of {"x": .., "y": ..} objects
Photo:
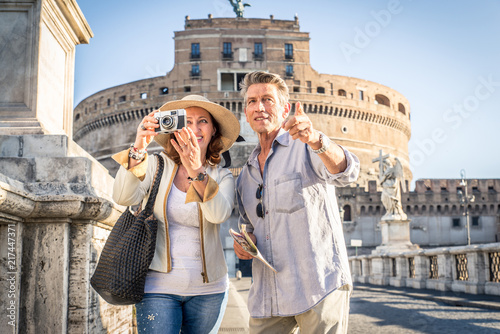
[{"x": 170, "y": 120}]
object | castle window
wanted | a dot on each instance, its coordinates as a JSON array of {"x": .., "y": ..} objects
[
  {"x": 195, "y": 70},
  {"x": 187, "y": 89},
  {"x": 455, "y": 222},
  {"x": 109, "y": 102},
  {"x": 164, "y": 91},
  {"x": 143, "y": 96},
  {"x": 227, "y": 51},
  {"x": 289, "y": 71},
  {"x": 401, "y": 108},
  {"x": 77, "y": 117},
  {"x": 230, "y": 81},
  {"x": 296, "y": 86},
  {"x": 347, "y": 213},
  {"x": 475, "y": 221},
  {"x": 342, "y": 92},
  {"x": 288, "y": 51},
  {"x": 361, "y": 95},
  {"x": 122, "y": 98},
  {"x": 382, "y": 99},
  {"x": 195, "y": 51},
  {"x": 258, "y": 54},
  {"x": 227, "y": 81},
  {"x": 95, "y": 106},
  {"x": 321, "y": 90}
]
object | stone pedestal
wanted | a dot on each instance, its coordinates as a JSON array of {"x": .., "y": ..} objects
[
  {"x": 395, "y": 237},
  {"x": 37, "y": 58}
]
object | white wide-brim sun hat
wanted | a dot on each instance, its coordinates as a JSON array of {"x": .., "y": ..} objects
[{"x": 229, "y": 126}]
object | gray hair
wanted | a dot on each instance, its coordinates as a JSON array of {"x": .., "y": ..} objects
[{"x": 258, "y": 77}]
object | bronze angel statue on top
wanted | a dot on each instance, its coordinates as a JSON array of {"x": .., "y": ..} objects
[{"x": 239, "y": 7}]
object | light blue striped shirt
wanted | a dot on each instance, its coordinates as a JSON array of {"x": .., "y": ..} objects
[{"x": 301, "y": 233}]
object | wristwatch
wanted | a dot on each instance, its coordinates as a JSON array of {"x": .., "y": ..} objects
[
  {"x": 199, "y": 177},
  {"x": 325, "y": 143}
]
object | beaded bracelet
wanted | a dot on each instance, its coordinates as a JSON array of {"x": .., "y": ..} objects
[
  {"x": 133, "y": 148},
  {"x": 136, "y": 154}
]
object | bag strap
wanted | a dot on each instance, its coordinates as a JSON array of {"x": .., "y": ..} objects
[{"x": 156, "y": 184}]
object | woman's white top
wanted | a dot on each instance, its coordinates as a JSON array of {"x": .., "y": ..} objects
[{"x": 184, "y": 230}]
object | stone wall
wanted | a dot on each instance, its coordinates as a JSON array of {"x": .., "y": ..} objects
[
  {"x": 55, "y": 214},
  {"x": 470, "y": 269}
]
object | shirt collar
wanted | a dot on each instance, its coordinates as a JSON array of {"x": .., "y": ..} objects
[{"x": 283, "y": 138}]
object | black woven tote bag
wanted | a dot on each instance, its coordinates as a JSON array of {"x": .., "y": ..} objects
[{"x": 120, "y": 274}]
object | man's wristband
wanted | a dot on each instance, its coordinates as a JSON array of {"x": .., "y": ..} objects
[{"x": 325, "y": 143}]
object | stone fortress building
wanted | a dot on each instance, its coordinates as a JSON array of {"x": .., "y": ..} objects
[{"x": 212, "y": 55}]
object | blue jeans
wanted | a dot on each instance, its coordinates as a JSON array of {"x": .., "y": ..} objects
[{"x": 172, "y": 314}]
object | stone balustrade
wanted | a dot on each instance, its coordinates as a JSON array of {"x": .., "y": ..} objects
[{"x": 471, "y": 269}]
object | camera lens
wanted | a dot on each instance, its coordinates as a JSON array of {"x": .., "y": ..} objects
[{"x": 167, "y": 122}]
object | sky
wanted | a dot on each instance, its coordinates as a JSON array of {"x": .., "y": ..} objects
[{"x": 443, "y": 56}]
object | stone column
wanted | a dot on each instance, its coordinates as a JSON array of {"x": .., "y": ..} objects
[
  {"x": 381, "y": 270},
  {"x": 421, "y": 271},
  {"x": 399, "y": 279},
  {"x": 55, "y": 199}
]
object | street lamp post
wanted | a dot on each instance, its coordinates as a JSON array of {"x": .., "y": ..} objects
[{"x": 465, "y": 199}]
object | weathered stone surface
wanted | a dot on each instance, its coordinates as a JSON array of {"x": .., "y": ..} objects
[
  {"x": 36, "y": 90},
  {"x": 59, "y": 236},
  {"x": 413, "y": 269},
  {"x": 44, "y": 278}
]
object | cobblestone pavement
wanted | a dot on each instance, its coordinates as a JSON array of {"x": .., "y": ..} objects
[
  {"x": 377, "y": 311},
  {"x": 390, "y": 310}
]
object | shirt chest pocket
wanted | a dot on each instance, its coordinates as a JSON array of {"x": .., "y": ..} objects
[{"x": 288, "y": 196}]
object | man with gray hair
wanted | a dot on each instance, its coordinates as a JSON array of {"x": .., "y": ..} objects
[{"x": 286, "y": 197}]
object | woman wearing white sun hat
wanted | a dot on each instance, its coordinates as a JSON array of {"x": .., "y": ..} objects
[{"x": 186, "y": 287}]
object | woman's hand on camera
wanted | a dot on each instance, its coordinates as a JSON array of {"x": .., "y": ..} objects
[
  {"x": 188, "y": 149},
  {"x": 146, "y": 131}
]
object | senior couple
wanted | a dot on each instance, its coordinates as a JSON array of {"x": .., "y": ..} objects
[{"x": 286, "y": 198}]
